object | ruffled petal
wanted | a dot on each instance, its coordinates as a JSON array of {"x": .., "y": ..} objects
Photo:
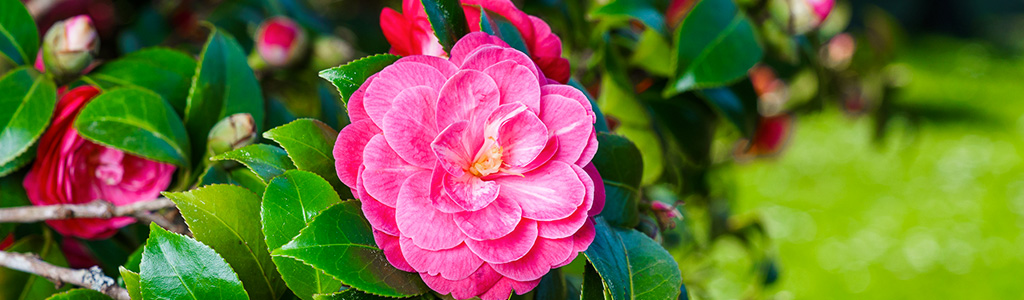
[
  {"x": 507, "y": 248},
  {"x": 476, "y": 284},
  {"x": 392, "y": 250},
  {"x": 453, "y": 155},
  {"x": 567, "y": 227},
  {"x": 494, "y": 221},
  {"x": 485, "y": 57},
  {"x": 469, "y": 95},
  {"x": 533, "y": 266},
  {"x": 356, "y": 112},
  {"x": 504, "y": 287},
  {"x": 385, "y": 171},
  {"x": 566, "y": 119},
  {"x": 410, "y": 126},
  {"x": 446, "y": 67},
  {"x": 599, "y": 194},
  {"x": 418, "y": 220},
  {"x": 522, "y": 137},
  {"x": 472, "y": 42},
  {"x": 380, "y": 216},
  {"x": 552, "y": 192},
  {"x": 348, "y": 149},
  {"x": 394, "y": 79},
  {"x": 452, "y": 264},
  {"x": 470, "y": 192},
  {"x": 516, "y": 84}
]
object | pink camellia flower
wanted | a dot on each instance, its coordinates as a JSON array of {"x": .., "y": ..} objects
[
  {"x": 280, "y": 41},
  {"x": 821, "y": 8},
  {"x": 409, "y": 33},
  {"x": 70, "y": 170},
  {"x": 475, "y": 171}
]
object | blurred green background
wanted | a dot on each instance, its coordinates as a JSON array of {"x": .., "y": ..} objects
[{"x": 933, "y": 208}]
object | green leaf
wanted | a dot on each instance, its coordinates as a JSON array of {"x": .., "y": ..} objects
[
  {"x": 24, "y": 286},
  {"x": 80, "y": 294},
  {"x": 692, "y": 123},
  {"x": 551, "y": 286},
  {"x": 494, "y": 24},
  {"x": 340, "y": 242},
  {"x": 19, "y": 39},
  {"x": 644, "y": 10},
  {"x": 265, "y": 160},
  {"x": 12, "y": 194},
  {"x": 632, "y": 265},
  {"x": 448, "y": 21},
  {"x": 223, "y": 85},
  {"x": 715, "y": 45},
  {"x": 18, "y": 162},
  {"x": 310, "y": 144},
  {"x": 635, "y": 124},
  {"x": 131, "y": 282},
  {"x": 178, "y": 267},
  {"x": 239, "y": 176},
  {"x": 136, "y": 121},
  {"x": 349, "y": 77},
  {"x": 650, "y": 53},
  {"x": 621, "y": 166},
  {"x": 593, "y": 285},
  {"x": 28, "y": 99},
  {"x": 353, "y": 294},
  {"x": 223, "y": 217},
  {"x": 134, "y": 260},
  {"x": 165, "y": 71},
  {"x": 289, "y": 203},
  {"x": 738, "y": 111}
]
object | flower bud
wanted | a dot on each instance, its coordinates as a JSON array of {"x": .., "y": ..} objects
[
  {"x": 800, "y": 16},
  {"x": 665, "y": 214},
  {"x": 69, "y": 46},
  {"x": 280, "y": 41},
  {"x": 235, "y": 131},
  {"x": 330, "y": 51}
]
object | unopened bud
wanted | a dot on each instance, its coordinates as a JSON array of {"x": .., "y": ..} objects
[
  {"x": 666, "y": 214},
  {"x": 800, "y": 16},
  {"x": 235, "y": 131},
  {"x": 330, "y": 51},
  {"x": 69, "y": 46},
  {"x": 280, "y": 41}
]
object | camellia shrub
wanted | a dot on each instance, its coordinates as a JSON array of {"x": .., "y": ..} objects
[{"x": 487, "y": 149}]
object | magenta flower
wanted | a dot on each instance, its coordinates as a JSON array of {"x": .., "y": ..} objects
[
  {"x": 475, "y": 171},
  {"x": 280, "y": 41}
]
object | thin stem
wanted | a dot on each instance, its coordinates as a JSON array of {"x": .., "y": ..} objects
[{"x": 92, "y": 278}]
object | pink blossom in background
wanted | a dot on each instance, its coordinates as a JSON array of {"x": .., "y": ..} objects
[
  {"x": 821, "y": 8},
  {"x": 409, "y": 33},
  {"x": 69, "y": 170},
  {"x": 280, "y": 41},
  {"x": 473, "y": 171}
]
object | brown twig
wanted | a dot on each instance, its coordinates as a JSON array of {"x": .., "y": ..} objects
[
  {"x": 91, "y": 278},
  {"x": 96, "y": 209}
]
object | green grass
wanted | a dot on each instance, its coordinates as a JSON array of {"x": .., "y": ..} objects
[{"x": 935, "y": 211}]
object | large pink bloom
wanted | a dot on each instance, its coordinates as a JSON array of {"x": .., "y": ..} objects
[
  {"x": 69, "y": 170},
  {"x": 474, "y": 172},
  {"x": 409, "y": 33}
]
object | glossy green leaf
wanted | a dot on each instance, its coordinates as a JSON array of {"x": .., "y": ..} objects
[
  {"x": 265, "y": 160},
  {"x": 289, "y": 203},
  {"x": 18, "y": 162},
  {"x": 621, "y": 166},
  {"x": 132, "y": 282},
  {"x": 635, "y": 124},
  {"x": 632, "y": 265},
  {"x": 136, "y": 121},
  {"x": 645, "y": 11},
  {"x": 339, "y": 241},
  {"x": 310, "y": 145},
  {"x": 593, "y": 285},
  {"x": 551, "y": 286},
  {"x": 23, "y": 286},
  {"x": 353, "y": 294},
  {"x": 715, "y": 45},
  {"x": 347, "y": 78},
  {"x": 165, "y": 71},
  {"x": 224, "y": 217},
  {"x": 28, "y": 99},
  {"x": 80, "y": 294},
  {"x": 134, "y": 260},
  {"x": 19, "y": 38},
  {"x": 222, "y": 85},
  {"x": 494, "y": 24},
  {"x": 448, "y": 21},
  {"x": 239, "y": 176},
  {"x": 739, "y": 111},
  {"x": 650, "y": 53},
  {"x": 178, "y": 267}
]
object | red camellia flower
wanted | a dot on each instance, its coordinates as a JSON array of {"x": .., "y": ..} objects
[
  {"x": 409, "y": 33},
  {"x": 70, "y": 169}
]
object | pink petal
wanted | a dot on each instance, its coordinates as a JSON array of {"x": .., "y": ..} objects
[
  {"x": 410, "y": 125},
  {"x": 550, "y": 193},
  {"x": 589, "y": 151},
  {"x": 494, "y": 221},
  {"x": 523, "y": 137},
  {"x": 550, "y": 148},
  {"x": 452, "y": 264},
  {"x": 450, "y": 149},
  {"x": 477, "y": 283},
  {"x": 598, "y": 190},
  {"x": 504, "y": 287},
  {"x": 392, "y": 250},
  {"x": 417, "y": 218},
  {"x": 471, "y": 43},
  {"x": 516, "y": 84},
  {"x": 581, "y": 241},
  {"x": 447, "y": 68},
  {"x": 568, "y": 226},
  {"x": 356, "y": 112},
  {"x": 394, "y": 79},
  {"x": 468, "y": 96},
  {"x": 348, "y": 149},
  {"x": 470, "y": 192},
  {"x": 546, "y": 253},
  {"x": 508, "y": 248},
  {"x": 488, "y": 56},
  {"x": 567, "y": 120},
  {"x": 571, "y": 93},
  {"x": 380, "y": 216},
  {"x": 385, "y": 171},
  {"x": 438, "y": 196}
]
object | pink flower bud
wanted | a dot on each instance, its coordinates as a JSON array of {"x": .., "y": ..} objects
[
  {"x": 821, "y": 8},
  {"x": 280, "y": 41},
  {"x": 666, "y": 214},
  {"x": 800, "y": 16},
  {"x": 69, "y": 46}
]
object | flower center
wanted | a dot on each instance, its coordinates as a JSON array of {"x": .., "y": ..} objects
[{"x": 489, "y": 161}]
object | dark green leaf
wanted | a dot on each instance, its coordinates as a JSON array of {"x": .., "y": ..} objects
[
  {"x": 178, "y": 267},
  {"x": 165, "y": 71},
  {"x": 12, "y": 194},
  {"x": 27, "y": 100},
  {"x": 223, "y": 85},
  {"x": 131, "y": 282},
  {"x": 23, "y": 286},
  {"x": 80, "y": 294},
  {"x": 632, "y": 265},
  {"x": 223, "y": 217},
  {"x": 715, "y": 46},
  {"x": 289, "y": 203},
  {"x": 621, "y": 167},
  {"x": 349, "y": 77},
  {"x": 593, "y": 286},
  {"x": 134, "y": 260},
  {"x": 136, "y": 121},
  {"x": 551, "y": 286},
  {"x": 352, "y": 294},
  {"x": 310, "y": 144},
  {"x": 236, "y": 176},
  {"x": 448, "y": 21},
  {"x": 18, "y": 162},
  {"x": 493, "y": 23},
  {"x": 739, "y": 111},
  {"x": 635, "y": 124},
  {"x": 19, "y": 39},
  {"x": 644, "y": 10},
  {"x": 340, "y": 242},
  {"x": 691, "y": 121},
  {"x": 265, "y": 160}
]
